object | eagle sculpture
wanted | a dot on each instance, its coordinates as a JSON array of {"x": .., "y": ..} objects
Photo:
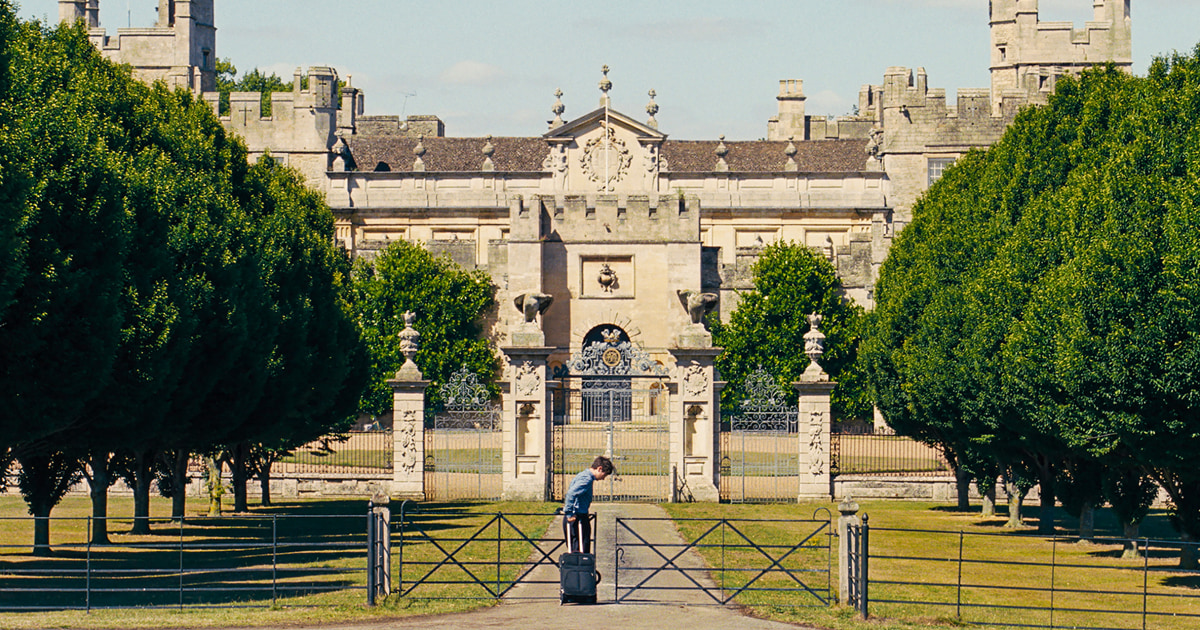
[
  {"x": 697, "y": 304},
  {"x": 532, "y": 304}
]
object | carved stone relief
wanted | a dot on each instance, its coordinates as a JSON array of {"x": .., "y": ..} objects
[
  {"x": 816, "y": 448},
  {"x": 605, "y": 159},
  {"x": 528, "y": 379},
  {"x": 695, "y": 380},
  {"x": 406, "y": 431}
]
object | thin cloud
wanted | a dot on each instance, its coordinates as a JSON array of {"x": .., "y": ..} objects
[{"x": 470, "y": 72}]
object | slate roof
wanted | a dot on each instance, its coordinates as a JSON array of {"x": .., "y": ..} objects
[{"x": 682, "y": 156}]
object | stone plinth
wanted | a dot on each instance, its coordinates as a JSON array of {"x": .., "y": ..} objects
[
  {"x": 408, "y": 433},
  {"x": 527, "y": 412},
  {"x": 814, "y": 425},
  {"x": 695, "y": 423}
]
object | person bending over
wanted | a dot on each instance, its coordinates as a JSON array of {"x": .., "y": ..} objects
[{"x": 579, "y": 501}]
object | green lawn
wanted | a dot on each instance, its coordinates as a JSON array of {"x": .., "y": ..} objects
[
  {"x": 316, "y": 572},
  {"x": 992, "y": 554}
]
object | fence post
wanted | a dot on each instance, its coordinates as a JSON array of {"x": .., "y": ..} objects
[
  {"x": 371, "y": 553},
  {"x": 849, "y": 517},
  {"x": 958, "y": 595},
  {"x": 88, "y": 581},
  {"x": 864, "y": 556},
  {"x": 274, "y": 558},
  {"x": 379, "y": 565}
]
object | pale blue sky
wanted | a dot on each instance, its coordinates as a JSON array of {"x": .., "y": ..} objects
[{"x": 491, "y": 67}]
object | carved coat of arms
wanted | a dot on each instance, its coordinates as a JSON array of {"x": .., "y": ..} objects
[{"x": 605, "y": 158}]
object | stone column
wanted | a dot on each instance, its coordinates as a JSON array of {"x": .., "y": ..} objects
[
  {"x": 814, "y": 422},
  {"x": 527, "y": 404},
  {"x": 527, "y": 410},
  {"x": 408, "y": 420},
  {"x": 696, "y": 415}
]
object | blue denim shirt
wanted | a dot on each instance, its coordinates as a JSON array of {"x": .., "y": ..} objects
[{"x": 579, "y": 494}]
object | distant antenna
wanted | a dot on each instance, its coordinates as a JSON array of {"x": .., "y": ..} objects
[
  {"x": 404, "y": 108},
  {"x": 128, "y": 15}
]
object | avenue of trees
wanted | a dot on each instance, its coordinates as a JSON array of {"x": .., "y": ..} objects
[
  {"x": 1039, "y": 320},
  {"x": 160, "y": 297}
]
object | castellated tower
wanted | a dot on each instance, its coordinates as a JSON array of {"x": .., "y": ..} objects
[
  {"x": 1028, "y": 55},
  {"x": 179, "y": 50}
]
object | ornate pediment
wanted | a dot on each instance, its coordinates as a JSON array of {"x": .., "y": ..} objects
[
  {"x": 600, "y": 117},
  {"x": 604, "y": 151}
]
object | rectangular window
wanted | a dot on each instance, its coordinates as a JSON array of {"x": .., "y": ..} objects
[{"x": 937, "y": 166}]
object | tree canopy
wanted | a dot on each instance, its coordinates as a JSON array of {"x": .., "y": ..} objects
[
  {"x": 158, "y": 295},
  {"x": 1041, "y": 310},
  {"x": 450, "y": 304},
  {"x": 767, "y": 328}
]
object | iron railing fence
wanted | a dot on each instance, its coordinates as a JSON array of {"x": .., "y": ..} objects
[
  {"x": 783, "y": 563},
  {"x": 1014, "y": 581},
  {"x": 195, "y": 562},
  {"x": 357, "y": 453},
  {"x": 462, "y": 554},
  {"x": 869, "y": 453}
]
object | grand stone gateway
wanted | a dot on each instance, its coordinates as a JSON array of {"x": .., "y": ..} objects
[{"x": 657, "y": 418}]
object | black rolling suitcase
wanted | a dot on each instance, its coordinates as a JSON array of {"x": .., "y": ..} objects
[{"x": 577, "y": 576}]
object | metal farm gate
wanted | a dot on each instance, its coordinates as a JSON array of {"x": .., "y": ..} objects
[
  {"x": 462, "y": 449},
  {"x": 614, "y": 402},
  {"x": 760, "y": 446}
]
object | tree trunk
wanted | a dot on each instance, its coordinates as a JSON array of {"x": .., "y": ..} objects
[
  {"x": 1015, "y": 499},
  {"x": 215, "y": 488},
  {"x": 179, "y": 481},
  {"x": 98, "y": 462},
  {"x": 1046, "y": 495},
  {"x": 1187, "y": 553},
  {"x": 238, "y": 466},
  {"x": 141, "y": 493},
  {"x": 1131, "y": 543},
  {"x": 962, "y": 481},
  {"x": 1087, "y": 521},
  {"x": 41, "y": 530},
  {"x": 264, "y": 479},
  {"x": 989, "y": 502}
]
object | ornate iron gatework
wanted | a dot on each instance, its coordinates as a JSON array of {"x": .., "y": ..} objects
[
  {"x": 613, "y": 357},
  {"x": 760, "y": 458},
  {"x": 615, "y": 402},
  {"x": 462, "y": 451}
]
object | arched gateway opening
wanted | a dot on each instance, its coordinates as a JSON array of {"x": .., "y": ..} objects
[{"x": 614, "y": 403}]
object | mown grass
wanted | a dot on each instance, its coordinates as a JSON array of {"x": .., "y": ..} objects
[
  {"x": 996, "y": 561},
  {"x": 234, "y": 575}
]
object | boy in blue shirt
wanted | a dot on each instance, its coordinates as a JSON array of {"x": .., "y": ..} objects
[{"x": 579, "y": 501}]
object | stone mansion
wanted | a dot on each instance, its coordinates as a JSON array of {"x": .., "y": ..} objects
[{"x": 617, "y": 223}]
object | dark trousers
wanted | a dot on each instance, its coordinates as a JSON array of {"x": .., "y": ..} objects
[{"x": 578, "y": 534}]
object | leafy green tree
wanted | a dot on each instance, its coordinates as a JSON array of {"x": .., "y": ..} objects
[
  {"x": 767, "y": 329},
  {"x": 254, "y": 81},
  {"x": 67, "y": 119},
  {"x": 317, "y": 368},
  {"x": 1079, "y": 327},
  {"x": 449, "y": 304}
]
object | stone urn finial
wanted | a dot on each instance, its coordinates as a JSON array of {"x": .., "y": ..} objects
[
  {"x": 814, "y": 347},
  {"x": 409, "y": 344}
]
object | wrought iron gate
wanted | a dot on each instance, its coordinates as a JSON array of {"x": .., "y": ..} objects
[
  {"x": 760, "y": 448},
  {"x": 615, "y": 402},
  {"x": 462, "y": 450}
]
